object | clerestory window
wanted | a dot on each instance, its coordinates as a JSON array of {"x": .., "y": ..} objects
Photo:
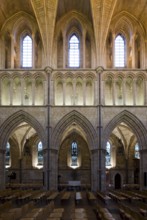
[
  {"x": 119, "y": 51},
  {"x": 27, "y": 52},
  {"x": 74, "y": 51}
]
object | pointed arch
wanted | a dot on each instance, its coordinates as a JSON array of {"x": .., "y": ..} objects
[
  {"x": 14, "y": 120},
  {"x": 132, "y": 121},
  {"x": 69, "y": 119}
]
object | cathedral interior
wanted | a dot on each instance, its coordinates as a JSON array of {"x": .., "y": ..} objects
[{"x": 73, "y": 94}]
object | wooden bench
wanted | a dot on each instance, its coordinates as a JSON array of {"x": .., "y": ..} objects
[
  {"x": 117, "y": 197},
  {"x": 66, "y": 196},
  {"x": 53, "y": 196},
  {"x": 79, "y": 214},
  {"x": 24, "y": 198},
  {"x": 39, "y": 197},
  {"x": 105, "y": 198},
  {"x": 103, "y": 213},
  {"x": 91, "y": 196}
]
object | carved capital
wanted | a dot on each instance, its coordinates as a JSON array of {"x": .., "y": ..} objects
[
  {"x": 48, "y": 70},
  {"x": 99, "y": 69}
]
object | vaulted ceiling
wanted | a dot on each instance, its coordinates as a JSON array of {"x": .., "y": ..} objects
[
  {"x": 99, "y": 13},
  {"x": 136, "y": 8}
]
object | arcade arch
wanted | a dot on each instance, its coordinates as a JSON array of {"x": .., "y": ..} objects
[
  {"x": 22, "y": 132},
  {"x": 123, "y": 138}
]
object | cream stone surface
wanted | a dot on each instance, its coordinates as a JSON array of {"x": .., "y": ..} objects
[{"x": 91, "y": 104}]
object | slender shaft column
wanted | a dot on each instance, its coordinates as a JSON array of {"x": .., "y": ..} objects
[
  {"x": 33, "y": 91},
  {"x": 114, "y": 93},
  {"x": 11, "y": 91},
  {"x": 33, "y": 50},
  {"x": 74, "y": 93},
  {"x": 64, "y": 91},
  {"x": 134, "y": 92},
  {"x": 84, "y": 50},
  {"x": 84, "y": 91},
  {"x": 99, "y": 71},
  {"x": 65, "y": 50},
  {"x": 124, "y": 91},
  {"x": 145, "y": 93},
  {"x": 133, "y": 51},
  {"x": 144, "y": 64},
  {"x": 22, "y": 91},
  {"x": 113, "y": 50},
  {"x": 0, "y": 92},
  {"x": 48, "y": 161}
]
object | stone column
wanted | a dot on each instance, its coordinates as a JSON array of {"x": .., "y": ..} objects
[
  {"x": 143, "y": 169},
  {"x": 2, "y": 169},
  {"x": 94, "y": 170},
  {"x": 45, "y": 168},
  {"x": 53, "y": 169}
]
